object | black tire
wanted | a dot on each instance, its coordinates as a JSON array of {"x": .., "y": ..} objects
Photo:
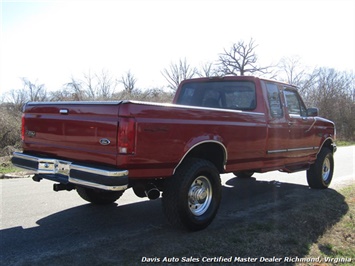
[
  {"x": 320, "y": 173},
  {"x": 192, "y": 195},
  {"x": 98, "y": 196},
  {"x": 244, "y": 174}
]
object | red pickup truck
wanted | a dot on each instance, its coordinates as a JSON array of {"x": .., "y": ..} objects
[{"x": 239, "y": 125}]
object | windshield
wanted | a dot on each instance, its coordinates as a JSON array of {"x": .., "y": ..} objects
[{"x": 236, "y": 95}]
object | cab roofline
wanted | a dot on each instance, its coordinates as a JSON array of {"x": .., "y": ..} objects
[{"x": 235, "y": 78}]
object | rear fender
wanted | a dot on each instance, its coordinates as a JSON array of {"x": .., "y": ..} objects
[{"x": 211, "y": 150}]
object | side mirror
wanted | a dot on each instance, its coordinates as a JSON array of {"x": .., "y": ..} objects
[{"x": 312, "y": 111}]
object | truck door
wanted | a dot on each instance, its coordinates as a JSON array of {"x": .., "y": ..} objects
[
  {"x": 278, "y": 132},
  {"x": 301, "y": 127}
]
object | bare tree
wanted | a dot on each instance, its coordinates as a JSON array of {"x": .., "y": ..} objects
[
  {"x": 11, "y": 110},
  {"x": 293, "y": 69},
  {"x": 105, "y": 85},
  {"x": 18, "y": 98},
  {"x": 129, "y": 81},
  {"x": 33, "y": 92},
  {"x": 90, "y": 87},
  {"x": 331, "y": 92},
  {"x": 207, "y": 69},
  {"x": 241, "y": 59},
  {"x": 178, "y": 72},
  {"x": 149, "y": 95},
  {"x": 326, "y": 88},
  {"x": 75, "y": 88},
  {"x": 36, "y": 92},
  {"x": 61, "y": 95}
]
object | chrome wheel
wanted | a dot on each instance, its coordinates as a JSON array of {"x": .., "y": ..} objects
[
  {"x": 200, "y": 195},
  {"x": 326, "y": 169},
  {"x": 192, "y": 195}
]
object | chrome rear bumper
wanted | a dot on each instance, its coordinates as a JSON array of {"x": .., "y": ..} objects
[{"x": 66, "y": 172}]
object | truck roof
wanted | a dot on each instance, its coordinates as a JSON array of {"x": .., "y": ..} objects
[{"x": 230, "y": 78}]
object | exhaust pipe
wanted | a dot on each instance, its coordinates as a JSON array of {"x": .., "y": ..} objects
[{"x": 152, "y": 192}]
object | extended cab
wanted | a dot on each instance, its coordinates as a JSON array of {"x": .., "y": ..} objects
[{"x": 239, "y": 125}]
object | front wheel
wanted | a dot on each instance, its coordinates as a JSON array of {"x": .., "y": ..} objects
[
  {"x": 320, "y": 173},
  {"x": 98, "y": 196},
  {"x": 192, "y": 195}
]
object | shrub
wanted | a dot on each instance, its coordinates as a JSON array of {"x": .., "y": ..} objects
[{"x": 10, "y": 130}]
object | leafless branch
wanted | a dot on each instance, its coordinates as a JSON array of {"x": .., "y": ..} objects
[
  {"x": 177, "y": 73},
  {"x": 241, "y": 59},
  {"x": 128, "y": 81}
]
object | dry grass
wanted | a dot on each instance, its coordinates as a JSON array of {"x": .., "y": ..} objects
[
  {"x": 339, "y": 240},
  {"x": 6, "y": 165}
]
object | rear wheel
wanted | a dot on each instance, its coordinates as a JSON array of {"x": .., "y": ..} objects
[
  {"x": 320, "y": 173},
  {"x": 192, "y": 195},
  {"x": 98, "y": 196}
]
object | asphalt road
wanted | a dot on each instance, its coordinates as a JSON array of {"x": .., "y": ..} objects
[{"x": 38, "y": 224}]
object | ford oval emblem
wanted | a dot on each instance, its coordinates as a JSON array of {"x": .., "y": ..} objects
[{"x": 105, "y": 142}]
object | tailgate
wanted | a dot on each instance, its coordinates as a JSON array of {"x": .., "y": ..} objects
[{"x": 79, "y": 131}]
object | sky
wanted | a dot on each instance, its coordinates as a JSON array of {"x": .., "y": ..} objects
[{"x": 49, "y": 42}]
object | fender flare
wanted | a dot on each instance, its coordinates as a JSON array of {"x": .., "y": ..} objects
[{"x": 225, "y": 153}]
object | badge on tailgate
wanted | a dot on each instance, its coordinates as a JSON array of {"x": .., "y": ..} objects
[{"x": 105, "y": 142}]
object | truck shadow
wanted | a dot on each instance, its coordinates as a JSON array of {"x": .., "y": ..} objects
[{"x": 256, "y": 218}]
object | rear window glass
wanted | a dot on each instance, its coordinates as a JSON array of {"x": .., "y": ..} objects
[{"x": 236, "y": 95}]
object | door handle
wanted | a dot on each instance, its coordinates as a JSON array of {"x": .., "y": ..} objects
[{"x": 290, "y": 123}]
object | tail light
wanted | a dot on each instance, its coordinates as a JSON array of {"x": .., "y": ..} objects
[
  {"x": 23, "y": 127},
  {"x": 126, "y": 136}
]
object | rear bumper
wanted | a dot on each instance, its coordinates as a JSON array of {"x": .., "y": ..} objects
[{"x": 66, "y": 172}]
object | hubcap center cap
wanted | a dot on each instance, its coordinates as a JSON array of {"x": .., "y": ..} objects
[
  {"x": 325, "y": 169},
  {"x": 198, "y": 195}
]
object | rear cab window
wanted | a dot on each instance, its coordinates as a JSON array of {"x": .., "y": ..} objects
[{"x": 235, "y": 95}]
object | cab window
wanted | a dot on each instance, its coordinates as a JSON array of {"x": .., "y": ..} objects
[
  {"x": 273, "y": 95},
  {"x": 294, "y": 104}
]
